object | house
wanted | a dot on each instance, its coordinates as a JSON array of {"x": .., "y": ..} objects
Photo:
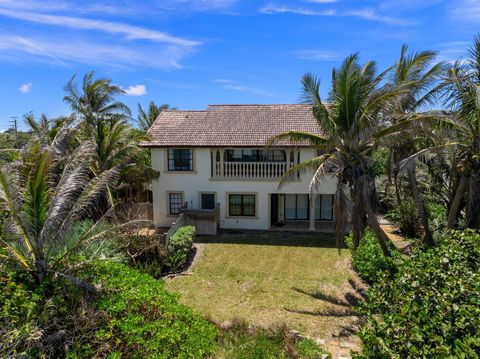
[{"x": 217, "y": 158}]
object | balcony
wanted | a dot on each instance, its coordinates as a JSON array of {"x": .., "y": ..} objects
[{"x": 260, "y": 170}]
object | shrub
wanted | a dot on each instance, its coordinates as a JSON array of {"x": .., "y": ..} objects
[
  {"x": 145, "y": 253},
  {"x": 368, "y": 259},
  {"x": 182, "y": 240},
  {"x": 431, "y": 307},
  {"x": 406, "y": 217},
  {"x": 19, "y": 310},
  {"x": 143, "y": 319},
  {"x": 179, "y": 246}
]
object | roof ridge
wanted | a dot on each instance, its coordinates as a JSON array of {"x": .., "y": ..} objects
[{"x": 259, "y": 104}]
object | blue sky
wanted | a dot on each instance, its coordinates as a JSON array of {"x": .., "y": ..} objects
[{"x": 193, "y": 53}]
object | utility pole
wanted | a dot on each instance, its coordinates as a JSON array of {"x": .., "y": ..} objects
[{"x": 15, "y": 127}]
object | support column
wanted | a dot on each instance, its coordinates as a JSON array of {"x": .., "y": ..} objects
[
  {"x": 313, "y": 198},
  {"x": 222, "y": 152}
]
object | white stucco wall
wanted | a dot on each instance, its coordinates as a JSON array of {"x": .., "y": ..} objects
[{"x": 193, "y": 183}]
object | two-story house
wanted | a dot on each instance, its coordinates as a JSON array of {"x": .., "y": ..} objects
[{"x": 218, "y": 157}]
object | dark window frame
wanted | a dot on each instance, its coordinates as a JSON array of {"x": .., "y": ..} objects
[
  {"x": 207, "y": 194},
  {"x": 184, "y": 157},
  {"x": 175, "y": 206},
  {"x": 242, "y": 205}
]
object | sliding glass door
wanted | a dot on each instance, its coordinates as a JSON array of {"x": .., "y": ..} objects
[{"x": 296, "y": 206}]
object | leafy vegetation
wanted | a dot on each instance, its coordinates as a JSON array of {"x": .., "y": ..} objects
[
  {"x": 431, "y": 307},
  {"x": 368, "y": 259},
  {"x": 143, "y": 319}
]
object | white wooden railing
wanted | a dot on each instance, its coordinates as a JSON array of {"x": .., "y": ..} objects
[{"x": 250, "y": 170}]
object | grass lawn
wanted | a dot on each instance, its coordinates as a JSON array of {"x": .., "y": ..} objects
[{"x": 268, "y": 277}]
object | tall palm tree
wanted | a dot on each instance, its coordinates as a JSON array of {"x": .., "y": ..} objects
[
  {"x": 103, "y": 121},
  {"x": 463, "y": 96},
  {"x": 46, "y": 218},
  {"x": 146, "y": 119},
  {"x": 96, "y": 100},
  {"x": 350, "y": 126},
  {"x": 418, "y": 76}
]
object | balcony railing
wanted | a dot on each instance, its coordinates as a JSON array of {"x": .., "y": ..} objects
[{"x": 250, "y": 170}]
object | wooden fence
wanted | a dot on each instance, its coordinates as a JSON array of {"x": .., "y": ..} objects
[{"x": 205, "y": 221}]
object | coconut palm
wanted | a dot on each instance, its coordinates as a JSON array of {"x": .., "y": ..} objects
[
  {"x": 103, "y": 121},
  {"x": 463, "y": 96},
  {"x": 350, "y": 126},
  {"x": 146, "y": 119},
  {"x": 96, "y": 100},
  {"x": 45, "y": 224},
  {"x": 417, "y": 76}
]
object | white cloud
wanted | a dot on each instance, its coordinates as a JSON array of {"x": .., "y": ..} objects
[
  {"x": 129, "y": 31},
  {"x": 373, "y": 15},
  {"x": 25, "y": 88},
  {"x": 62, "y": 50},
  {"x": 465, "y": 10},
  {"x": 280, "y": 9},
  {"x": 317, "y": 55},
  {"x": 230, "y": 85},
  {"x": 136, "y": 90}
]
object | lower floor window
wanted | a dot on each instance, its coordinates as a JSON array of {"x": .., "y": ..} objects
[
  {"x": 175, "y": 202},
  {"x": 241, "y": 205},
  {"x": 208, "y": 200}
]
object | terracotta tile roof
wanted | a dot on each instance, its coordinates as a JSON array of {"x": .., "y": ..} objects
[{"x": 228, "y": 125}]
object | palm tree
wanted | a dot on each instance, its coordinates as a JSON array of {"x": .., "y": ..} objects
[
  {"x": 103, "y": 121},
  {"x": 146, "y": 119},
  {"x": 350, "y": 126},
  {"x": 96, "y": 100},
  {"x": 463, "y": 96},
  {"x": 417, "y": 77},
  {"x": 46, "y": 217}
]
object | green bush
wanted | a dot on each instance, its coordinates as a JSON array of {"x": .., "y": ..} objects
[
  {"x": 368, "y": 259},
  {"x": 19, "y": 322},
  {"x": 143, "y": 319},
  {"x": 182, "y": 240},
  {"x": 406, "y": 217},
  {"x": 145, "y": 253},
  {"x": 431, "y": 307}
]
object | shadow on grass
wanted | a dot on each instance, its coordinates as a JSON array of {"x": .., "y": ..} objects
[
  {"x": 344, "y": 306},
  {"x": 271, "y": 238}
]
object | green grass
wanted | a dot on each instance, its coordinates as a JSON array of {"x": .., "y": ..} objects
[{"x": 267, "y": 278}]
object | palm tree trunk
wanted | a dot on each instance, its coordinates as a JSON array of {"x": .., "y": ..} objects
[
  {"x": 457, "y": 200},
  {"x": 382, "y": 237},
  {"x": 422, "y": 213},
  {"x": 473, "y": 210}
]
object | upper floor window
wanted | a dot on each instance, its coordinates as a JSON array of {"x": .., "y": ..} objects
[
  {"x": 180, "y": 159},
  {"x": 254, "y": 155}
]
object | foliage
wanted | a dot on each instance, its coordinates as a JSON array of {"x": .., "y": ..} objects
[
  {"x": 145, "y": 252},
  {"x": 182, "y": 240},
  {"x": 431, "y": 307},
  {"x": 47, "y": 200},
  {"x": 143, "y": 319},
  {"x": 405, "y": 215},
  {"x": 368, "y": 259},
  {"x": 307, "y": 348}
]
